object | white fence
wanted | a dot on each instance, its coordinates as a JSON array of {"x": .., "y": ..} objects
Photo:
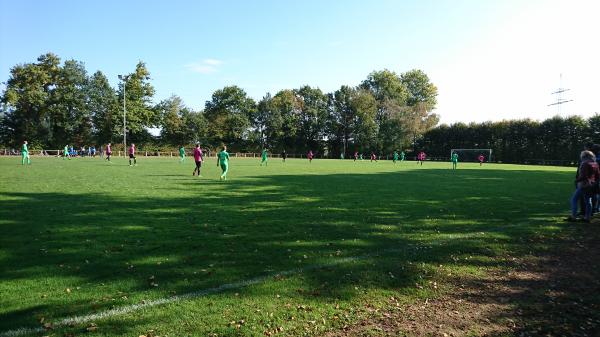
[{"x": 58, "y": 153}]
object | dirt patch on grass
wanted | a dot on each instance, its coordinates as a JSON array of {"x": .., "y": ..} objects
[{"x": 555, "y": 293}]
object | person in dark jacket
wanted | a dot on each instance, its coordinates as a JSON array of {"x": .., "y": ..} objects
[
  {"x": 596, "y": 195},
  {"x": 587, "y": 179},
  {"x": 586, "y": 147}
]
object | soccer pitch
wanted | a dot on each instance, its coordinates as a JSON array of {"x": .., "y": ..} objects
[{"x": 292, "y": 248}]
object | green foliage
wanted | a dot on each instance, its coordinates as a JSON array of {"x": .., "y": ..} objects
[
  {"x": 51, "y": 105},
  {"x": 404, "y": 107},
  {"x": 517, "y": 141},
  {"x": 386, "y": 85},
  {"x": 69, "y": 117},
  {"x": 364, "y": 110},
  {"x": 263, "y": 122},
  {"x": 27, "y": 98},
  {"x": 195, "y": 126},
  {"x": 287, "y": 109},
  {"x": 313, "y": 118},
  {"x": 180, "y": 125},
  {"x": 104, "y": 108},
  {"x": 173, "y": 128},
  {"x": 396, "y": 130},
  {"x": 138, "y": 95},
  {"x": 229, "y": 112},
  {"x": 352, "y": 120},
  {"x": 420, "y": 89}
]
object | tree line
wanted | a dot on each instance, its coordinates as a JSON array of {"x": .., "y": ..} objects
[
  {"x": 516, "y": 141},
  {"x": 51, "y": 103}
]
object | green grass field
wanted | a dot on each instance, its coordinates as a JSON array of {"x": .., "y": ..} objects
[{"x": 294, "y": 248}]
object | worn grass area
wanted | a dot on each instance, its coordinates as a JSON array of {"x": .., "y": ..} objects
[{"x": 85, "y": 236}]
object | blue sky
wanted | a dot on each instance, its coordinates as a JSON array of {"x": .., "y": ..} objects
[{"x": 490, "y": 59}]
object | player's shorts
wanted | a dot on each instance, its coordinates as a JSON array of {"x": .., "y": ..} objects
[
  {"x": 198, "y": 164},
  {"x": 131, "y": 156}
]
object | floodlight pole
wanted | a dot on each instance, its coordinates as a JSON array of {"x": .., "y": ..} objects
[
  {"x": 124, "y": 118},
  {"x": 344, "y": 138},
  {"x": 124, "y": 79}
]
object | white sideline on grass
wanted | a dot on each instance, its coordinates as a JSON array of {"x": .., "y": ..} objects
[{"x": 177, "y": 298}]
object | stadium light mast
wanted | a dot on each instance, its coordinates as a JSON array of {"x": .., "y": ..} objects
[
  {"x": 124, "y": 78},
  {"x": 559, "y": 100}
]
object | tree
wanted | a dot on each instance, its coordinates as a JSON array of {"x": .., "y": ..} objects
[
  {"x": 418, "y": 120},
  {"x": 352, "y": 119},
  {"x": 104, "y": 107},
  {"x": 342, "y": 119},
  {"x": 514, "y": 141},
  {"x": 171, "y": 122},
  {"x": 195, "y": 126},
  {"x": 229, "y": 112},
  {"x": 25, "y": 101},
  {"x": 140, "y": 113},
  {"x": 396, "y": 129},
  {"x": 420, "y": 89},
  {"x": 4, "y": 131},
  {"x": 313, "y": 118},
  {"x": 594, "y": 128},
  {"x": 267, "y": 123},
  {"x": 70, "y": 118},
  {"x": 51, "y": 105},
  {"x": 386, "y": 85},
  {"x": 404, "y": 106},
  {"x": 364, "y": 108},
  {"x": 286, "y": 108},
  {"x": 179, "y": 124}
]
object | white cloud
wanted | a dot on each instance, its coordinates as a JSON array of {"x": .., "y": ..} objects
[
  {"x": 213, "y": 62},
  {"x": 206, "y": 66}
]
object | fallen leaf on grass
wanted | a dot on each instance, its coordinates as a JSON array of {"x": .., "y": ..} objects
[{"x": 92, "y": 327}]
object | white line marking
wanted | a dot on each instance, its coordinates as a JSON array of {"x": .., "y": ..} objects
[{"x": 177, "y": 298}]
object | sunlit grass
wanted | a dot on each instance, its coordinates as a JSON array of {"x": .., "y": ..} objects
[{"x": 85, "y": 236}]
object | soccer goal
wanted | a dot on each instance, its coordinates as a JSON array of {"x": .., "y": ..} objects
[{"x": 472, "y": 154}]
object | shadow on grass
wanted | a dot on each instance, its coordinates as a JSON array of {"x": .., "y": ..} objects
[
  {"x": 119, "y": 251},
  {"x": 555, "y": 292}
]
